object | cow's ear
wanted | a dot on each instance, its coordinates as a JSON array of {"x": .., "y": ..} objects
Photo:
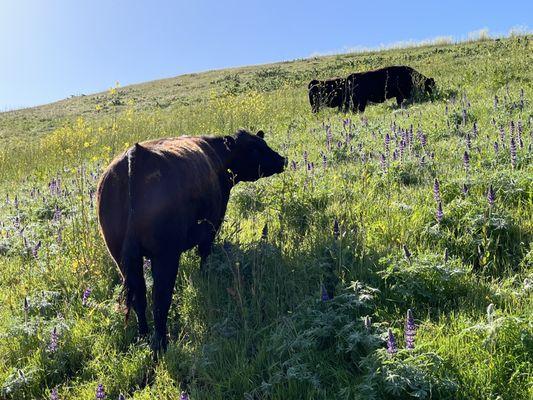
[
  {"x": 229, "y": 141},
  {"x": 261, "y": 134}
]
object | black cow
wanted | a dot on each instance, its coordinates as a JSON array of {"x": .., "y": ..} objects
[
  {"x": 328, "y": 93},
  {"x": 163, "y": 197},
  {"x": 376, "y": 86}
]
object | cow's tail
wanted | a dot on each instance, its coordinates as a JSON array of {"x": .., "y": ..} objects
[{"x": 131, "y": 258}]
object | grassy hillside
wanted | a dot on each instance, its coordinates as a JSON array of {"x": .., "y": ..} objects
[{"x": 427, "y": 208}]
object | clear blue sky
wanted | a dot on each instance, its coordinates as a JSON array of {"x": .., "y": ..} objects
[{"x": 54, "y": 48}]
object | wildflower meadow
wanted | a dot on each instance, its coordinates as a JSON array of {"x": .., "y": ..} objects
[{"x": 393, "y": 259}]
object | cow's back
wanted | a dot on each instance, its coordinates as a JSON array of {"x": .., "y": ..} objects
[{"x": 174, "y": 184}]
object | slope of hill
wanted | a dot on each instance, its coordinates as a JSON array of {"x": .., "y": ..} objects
[{"x": 427, "y": 208}]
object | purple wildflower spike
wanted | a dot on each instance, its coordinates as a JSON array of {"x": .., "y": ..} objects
[
  {"x": 439, "y": 214},
  {"x": 329, "y": 138},
  {"x": 305, "y": 155},
  {"x": 324, "y": 161},
  {"x": 464, "y": 116},
  {"x": 294, "y": 165},
  {"x": 474, "y": 130},
  {"x": 436, "y": 190},
  {"x": 466, "y": 161},
  {"x": 35, "y": 249},
  {"x": 52, "y": 346},
  {"x": 464, "y": 189},
  {"x": 383, "y": 162},
  {"x": 387, "y": 143},
  {"x": 468, "y": 141},
  {"x": 491, "y": 196},
  {"x": 496, "y": 147},
  {"x": 100, "y": 392},
  {"x": 54, "y": 395},
  {"x": 410, "y": 330},
  {"x": 512, "y": 149},
  {"x": 85, "y": 297},
  {"x": 391, "y": 343},
  {"x": 184, "y": 396},
  {"x": 121, "y": 397}
]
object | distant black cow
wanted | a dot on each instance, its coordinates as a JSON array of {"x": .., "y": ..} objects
[
  {"x": 163, "y": 197},
  {"x": 327, "y": 93},
  {"x": 376, "y": 86}
]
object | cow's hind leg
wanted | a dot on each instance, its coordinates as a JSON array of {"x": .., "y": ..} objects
[{"x": 164, "y": 271}]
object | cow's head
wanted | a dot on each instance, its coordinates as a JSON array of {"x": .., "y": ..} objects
[
  {"x": 251, "y": 158},
  {"x": 429, "y": 85}
]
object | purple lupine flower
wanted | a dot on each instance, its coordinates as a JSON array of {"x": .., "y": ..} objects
[
  {"x": 495, "y": 102},
  {"x": 305, "y": 155},
  {"x": 85, "y": 297},
  {"x": 387, "y": 143},
  {"x": 310, "y": 166},
  {"x": 406, "y": 252},
  {"x": 423, "y": 139},
  {"x": 436, "y": 190},
  {"x": 57, "y": 214},
  {"x": 383, "y": 162},
  {"x": 324, "y": 296},
  {"x": 294, "y": 165},
  {"x": 410, "y": 330},
  {"x": 464, "y": 116},
  {"x": 395, "y": 155},
  {"x": 54, "y": 395},
  {"x": 496, "y": 147},
  {"x": 519, "y": 131},
  {"x": 439, "y": 214},
  {"x": 512, "y": 149},
  {"x": 466, "y": 161},
  {"x": 336, "y": 230},
  {"x": 422, "y": 161},
  {"x": 100, "y": 392},
  {"x": 468, "y": 141},
  {"x": 52, "y": 346},
  {"x": 184, "y": 396},
  {"x": 367, "y": 322},
  {"x": 391, "y": 343},
  {"x": 324, "y": 161},
  {"x": 511, "y": 128},
  {"x": 474, "y": 130},
  {"x": 35, "y": 249},
  {"x": 402, "y": 147},
  {"x": 491, "y": 196},
  {"x": 464, "y": 189}
]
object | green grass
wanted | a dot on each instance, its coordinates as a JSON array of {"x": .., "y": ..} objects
[{"x": 254, "y": 326}]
